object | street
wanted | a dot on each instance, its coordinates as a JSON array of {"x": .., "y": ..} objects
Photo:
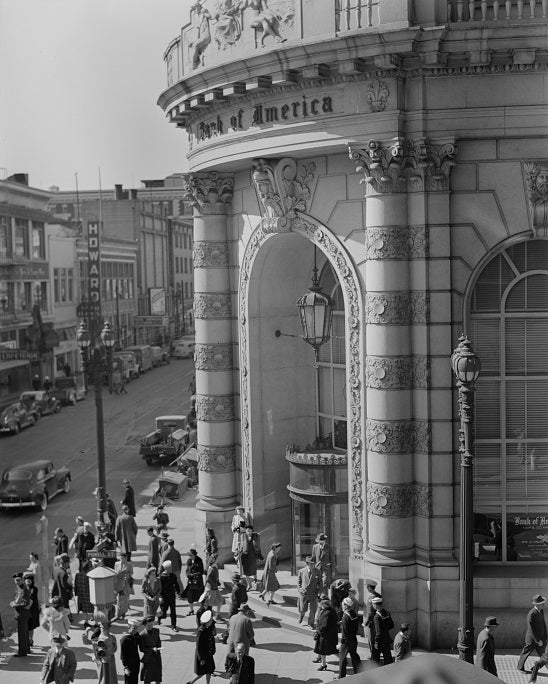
[{"x": 69, "y": 438}]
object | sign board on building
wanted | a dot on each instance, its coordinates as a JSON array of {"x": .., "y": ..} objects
[
  {"x": 157, "y": 301},
  {"x": 26, "y": 272}
]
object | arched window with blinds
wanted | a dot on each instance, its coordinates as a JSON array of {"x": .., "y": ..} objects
[{"x": 509, "y": 329}]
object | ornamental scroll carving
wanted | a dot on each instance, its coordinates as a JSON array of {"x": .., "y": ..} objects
[
  {"x": 210, "y": 254},
  {"x": 398, "y": 437},
  {"x": 344, "y": 270},
  {"x": 377, "y": 95},
  {"x": 398, "y": 309},
  {"x": 536, "y": 179},
  {"x": 281, "y": 191},
  {"x": 209, "y": 193},
  {"x": 405, "y": 165},
  {"x": 393, "y": 242},
  {"x": 214, "y": 408},
  {"x": 212, "y": 305},
  {"x": 403, "y": 372},
  {"x": 399, "y": 501},
  {"x": 216, "y": 459},
  {"x": 213, "y": 357}
]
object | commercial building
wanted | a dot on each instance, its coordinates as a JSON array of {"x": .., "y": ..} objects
[{"x": 402, "y": 149}]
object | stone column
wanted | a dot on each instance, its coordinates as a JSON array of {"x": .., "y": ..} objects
[{"x": 211, "y": 195}]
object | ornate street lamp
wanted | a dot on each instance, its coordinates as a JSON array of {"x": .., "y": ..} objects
[
  {"x": 466, "y": 366},
  {"x": 97, "y": 360}
]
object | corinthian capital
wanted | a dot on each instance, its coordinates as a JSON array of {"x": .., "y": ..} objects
[{"x": 209, "y": 193}]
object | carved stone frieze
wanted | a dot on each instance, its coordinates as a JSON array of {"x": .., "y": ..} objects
[
  {"x": 219, "y": 408},
  {"x": 216, "y": 459},
  {"x": 394, "y": 242},
  {"x": 405, "y": 165},
  {"x": 536, "y": 179},
  {"x": 402, "y": 372},
  {"x": 212, "y": 305},
  {"x": 398, "y": 309},
  {"x": 210, "y": 254},
  {"x": 282, "y": 191},
  {"x": 377, "y": 95},
  {"x": 398, "y": 436},
  {"x": 399, "y": 500},
  {"x": 209, "y": 193},
  {"x": 213, "y": 357},
  {"x": 349, "y": 281}
]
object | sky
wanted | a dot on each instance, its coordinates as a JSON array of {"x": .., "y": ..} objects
[{"x": 79, "y": 81}]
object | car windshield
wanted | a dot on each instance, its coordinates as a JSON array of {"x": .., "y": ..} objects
[
  {"x": 31, "y": 395},
  {"x": 61, "y": 383},
  {"x": 17, "y": 475}
]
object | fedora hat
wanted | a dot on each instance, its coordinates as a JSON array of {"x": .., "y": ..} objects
[
  {"x": 538, "y": 599},
  {"x": 490, "y": 621},
  {"x": 321, "y": 537}
]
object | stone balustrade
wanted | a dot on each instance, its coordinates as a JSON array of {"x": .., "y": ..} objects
[{"x": 496, "y": 10}]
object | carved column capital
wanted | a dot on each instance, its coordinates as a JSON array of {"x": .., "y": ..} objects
[
  {"x": 399, "y": 500},
  {"x": 214, "y": 408},
  {"x": 210, "y": 254},
  {"x": 209, "y": 193},
  {"x": 216, "y": 459},
  {"x": 536, "y": 179},
  {"x": 213, "y": 357},
  {"x": 214, "y": 305}
]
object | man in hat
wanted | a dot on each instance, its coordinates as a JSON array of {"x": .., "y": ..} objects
[
  {"x": 59, "y": 664},
  {"x": 308, "y": 583},
  {"x": 164, "y": 538},
  {"x": 125, "y": 532},
  {"x": 238, "y": 594},
  {"x": 22, "y": 602},
  {"x": 129, "y": 652},
  {"x": 60, "y": 542},
  {"x": 324, "y": 560},
  {"x": 240, "y": 666},
  {"x": 62, "y": 580},
  {"x": 168, "y": 591},
  {"x": 173, "y": 555},
  {"x": 369, "y": 614},
  {"x": 535, "y": 636},
  {"x": 485, "y": 648},
  {"x": 240, "y": 630},
  {"x": 402, "y": 643},
  {"x": 153, "y": 559},
  {"x": 129, "y": 498},
  {"x": 84, "y": 543}
]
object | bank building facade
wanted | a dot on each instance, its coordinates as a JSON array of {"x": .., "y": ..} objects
[{"x": 393, "y": 156}]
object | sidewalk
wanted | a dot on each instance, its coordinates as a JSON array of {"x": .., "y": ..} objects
[{"x": 284, "y": 648}]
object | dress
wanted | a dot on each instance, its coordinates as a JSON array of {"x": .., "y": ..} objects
[
  {"x": 81, "y": 591},
  {"x": 205, "y": 650},
  {"x": 195, "y": 574},
  {"x": 151, "y": 659},
  {"x": 238, "y": 530},
  {"x": 106, "y": 663},
  {"x": 326, "y": 629},
  {"x": 251, "y": 553},
  {"x": 270, "y": 581},
  {"x": 151, "y": 596}
]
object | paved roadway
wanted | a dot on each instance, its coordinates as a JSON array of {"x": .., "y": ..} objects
[{"x": 69, "y": 438}]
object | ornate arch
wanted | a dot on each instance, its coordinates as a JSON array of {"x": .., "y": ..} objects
[{"x": 311, "y": 229}]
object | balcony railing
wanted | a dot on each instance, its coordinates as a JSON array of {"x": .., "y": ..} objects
[
  {"x": 351, "y": 15},
  {"x": 496, "y": 10}
]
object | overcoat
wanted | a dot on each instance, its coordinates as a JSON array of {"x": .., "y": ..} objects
[
  {"x": 326, "y": 629},
  {"x": 125, "y": 532},
  {"x": 485, "y": 652},
  {"x": 270, "y": 581},
  {"x": 151, "y": 659},
  {"x": 205, "y": 650},
  {"x": 59, "y": 667}
]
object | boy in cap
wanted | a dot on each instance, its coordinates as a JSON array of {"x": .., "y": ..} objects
[
  {"x": 59, "y": 664},
  {"x": 129, "y": 652},
  {"x": 402, "y": 643},
  {"x": 485, "y": 648},
  {"x": 535, "y": 636}
]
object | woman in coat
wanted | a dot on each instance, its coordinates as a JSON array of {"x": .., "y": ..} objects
[
  {"x": 34, "y": 620},
  {"x": 151, "y": 588},
  {"x": 251, "y": 553},
  {"x": 81, "y": 590},
  {"x": 326, "y": 634},
  {"x": 55, "y": 618},
  {"x": 212, "y": 545},
  {"x": 150, "y": 645},
  {"x": 212, "y": 584},
  {"x": 124, "y": 585},
  {"x": 270, "y": 581},
  {"x": 205, "y": 648},
  {"x": 195, "y": 574}
]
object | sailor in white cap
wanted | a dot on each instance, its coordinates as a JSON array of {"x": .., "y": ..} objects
[{"x": 205, "y": 648}]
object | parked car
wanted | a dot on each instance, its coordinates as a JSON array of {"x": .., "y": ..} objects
[
  {"x": 32, "y": 485},
  {"x": 16, "y": 416},
  {"x": 159, "y": 356},
  {"x": 184, "y": 349},
  {"x": 44, "y": 401},
  {"x": 70, "y": 389},
  {"x": 129, "y": 363},
  {"x": 144, "y": 356}
]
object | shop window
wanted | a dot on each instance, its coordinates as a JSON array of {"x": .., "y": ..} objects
[
  {"x": 4, "y": 237},
  {"x": 38, "y": 244},
  {"x": 21, "y": 238},
  {"x": 509, "y": 329}
]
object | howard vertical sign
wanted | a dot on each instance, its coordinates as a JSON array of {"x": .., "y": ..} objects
[{"x": 94, "y": 275}]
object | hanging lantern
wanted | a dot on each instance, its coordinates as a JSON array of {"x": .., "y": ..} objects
[{"x": 316, "y": 313}]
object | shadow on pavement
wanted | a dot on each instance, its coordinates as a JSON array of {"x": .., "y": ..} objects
[{"x": 282, "y": 648}]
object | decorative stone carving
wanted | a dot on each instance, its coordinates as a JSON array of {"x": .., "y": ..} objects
[
  {"x": 398, "y": 309},
  {"x": 405, "y": 165},
  {"x": 403, "y": 372},
  {"x": 213, "y": 357},
  {"x": 212, "y": 305},
  {"x": 227, "y": 27},
  {"x": 281, "y": 191},
  {"x": 342, "y": 265},
  {"x": 216, "y": 459},
  {"x": 209, "y": 193},
  {"x": 294, "y": 454},
  {"x": 400, "y": 500},
  {"x": 536, "y": 179},
  {"x": 210, "y": 254},
  {"x": 377, "y": 95},
  {"x": 218, "y": 408},
  {"x": 398, "y": 437},
  {"x": 200, "y": 36},
  {"x": 394, "y": 242}
]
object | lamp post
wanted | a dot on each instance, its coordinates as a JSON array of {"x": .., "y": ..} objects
[
  {"x": 96, "y": 359},
  {"x": 466, "y": 367}
]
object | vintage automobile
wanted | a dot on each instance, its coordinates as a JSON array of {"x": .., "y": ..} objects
[
  {"x": 159, "y": 356},
  {"x": 16, "y": 416},
  {"x": 44, "y": 402},
  {"x": 183, "y": 349},
  {"x": 32, "y": 485},
  {"x": 70, "y": 389},
  {"x": 167, "y": 441}
]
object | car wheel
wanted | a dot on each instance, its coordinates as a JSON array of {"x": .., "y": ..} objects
[
  {"x": 57, "y": 408},
  {"x": 72, "y": 400},
  {"x": 42, "y": 502},
  {"x": 32, "y": 420},
  {"x": 16, "y": 429},
  {"x": 66, "y": 485}
]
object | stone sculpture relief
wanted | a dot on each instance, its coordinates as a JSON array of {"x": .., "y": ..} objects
[
  {"x": 213, "y": 357},
  {"x": 209, "y": 193},
  {"x": 377, "y": 95},
  {"x": 201, "y": 33},
  {"x": 210, "y": 254},
  {"x": 399, "y": 501},
  {"x": 393, "y": 242},
  {"x": 536, "y": 178},
  {"x": 216, "y": 459}
]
